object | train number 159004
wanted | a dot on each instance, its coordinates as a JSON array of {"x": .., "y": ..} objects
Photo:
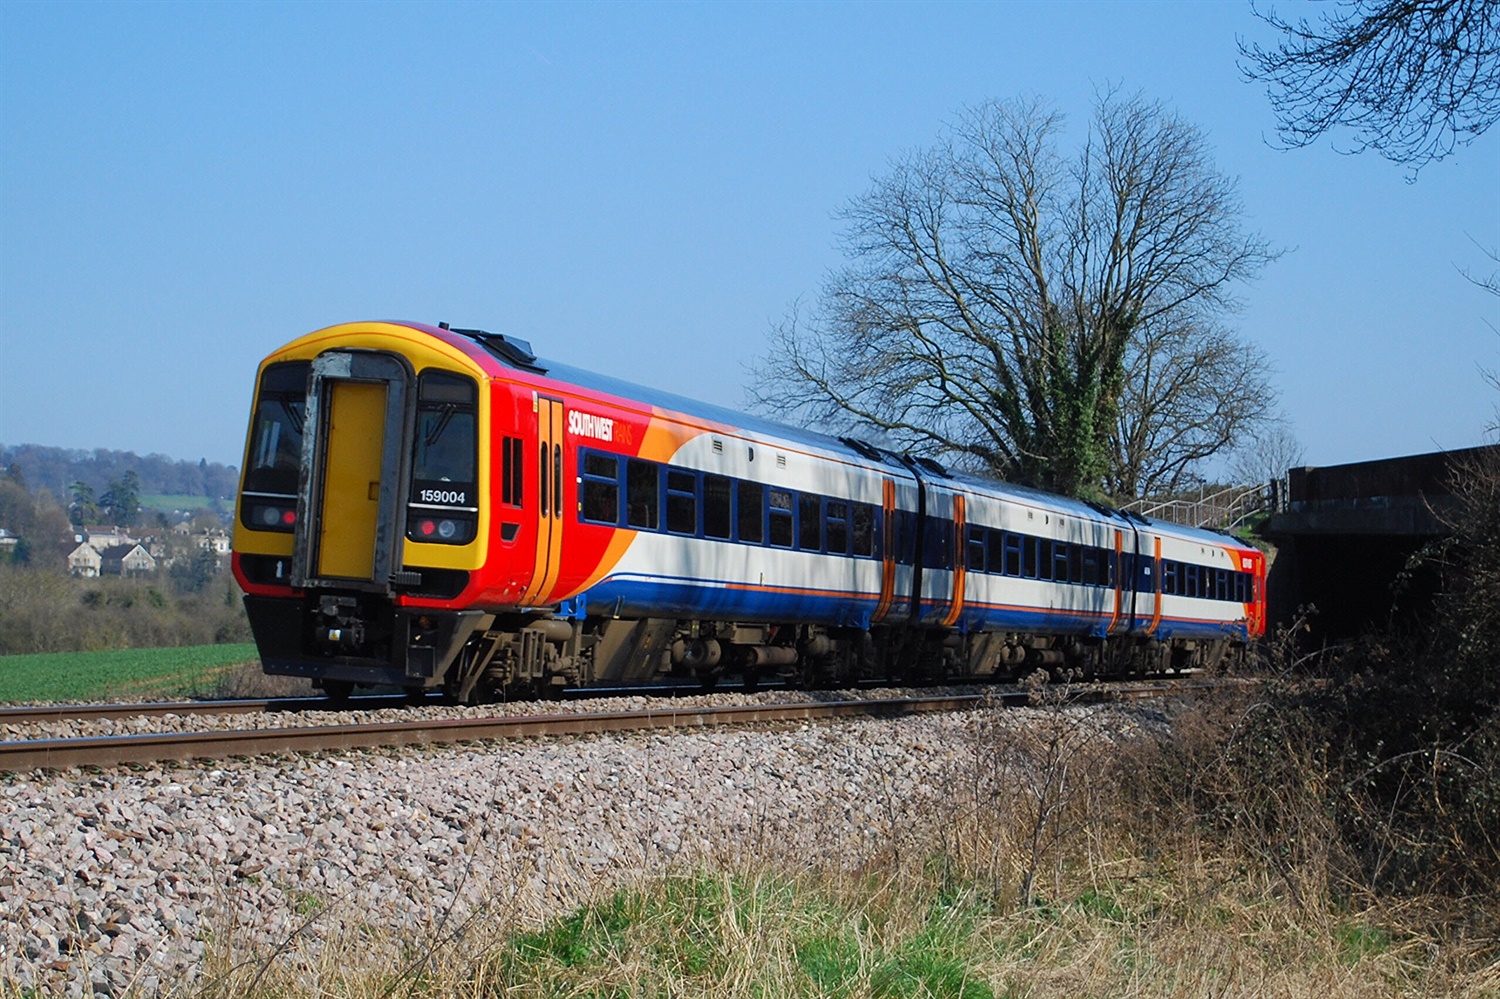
[{"x": 442, "y": 496}]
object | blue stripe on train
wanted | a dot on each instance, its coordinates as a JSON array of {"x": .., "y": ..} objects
[{"x": 624, "y": 596}]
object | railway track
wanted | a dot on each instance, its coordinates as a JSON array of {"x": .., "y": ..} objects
[
  {"x": 152, "y": 747},
  {"x": 27, "y": 714},
  {"x": 33, "y": 713}
]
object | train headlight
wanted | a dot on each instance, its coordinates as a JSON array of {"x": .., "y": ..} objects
[
  {"x": 271, "y": 516},
  {"x": 444, "y": 529}
]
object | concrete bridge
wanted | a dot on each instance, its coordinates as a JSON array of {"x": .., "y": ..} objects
[{"x": 1345, "y": 537}]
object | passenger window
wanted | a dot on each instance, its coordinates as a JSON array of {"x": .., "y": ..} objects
[
  {"x": 837, "y": 527},
  {"x": 809, "y": 523},
  {"x": 1090, "y": 561},
  {"x": 682, "y": 502},
  {"x": 864, "y": 529},
  {"x": 752, "y": 498},
  {"x": 781, "y": 518},
  {"x": 1013, "y": 557},
  {"x": 976, "y": 549},
  {"x": 716, "y": 512},
  {"x": 642, "y": 494},
  {"x": 1044, "y": 558},
  {"x": 601, "y": 488},
  {"x": 601, "y": 501},
  {"x": 1061, "y": 562}
]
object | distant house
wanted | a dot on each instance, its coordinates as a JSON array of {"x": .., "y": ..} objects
[
  {"x": 216, "y": 541},
  {"x": 8, "y": 542},
  {"x": 127, "y": 560},
  {"x": 85, "y": 560}
]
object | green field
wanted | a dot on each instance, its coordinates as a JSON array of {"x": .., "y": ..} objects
[
  {"x": 121, "y": 673},
  {"x": 166, "y": 501}
]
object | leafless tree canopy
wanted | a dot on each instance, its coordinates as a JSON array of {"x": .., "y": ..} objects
[
  {"x": 1412, "y": 78},
  {"x": 1190, "y": 392},
  {"x": 1050, "y": 319},
  {"x": 1267, "y": 455}
]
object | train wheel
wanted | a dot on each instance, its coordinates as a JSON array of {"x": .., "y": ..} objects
[
  {"x": 416, "y": 695},
  {"x": 338, "y": 691}
]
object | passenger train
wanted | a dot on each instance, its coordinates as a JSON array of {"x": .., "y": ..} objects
[{"x": 438, "y": 508}]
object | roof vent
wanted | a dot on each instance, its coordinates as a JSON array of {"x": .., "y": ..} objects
[
  {"x": 510, "y": 349},
  {"x": 933, "y": 467},
  {"x": 864, "y": 448}
]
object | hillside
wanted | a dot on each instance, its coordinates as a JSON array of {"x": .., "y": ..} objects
[{"x": 55, "y": 469}]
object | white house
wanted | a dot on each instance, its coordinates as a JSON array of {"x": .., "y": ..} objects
[
  {"x": 85, "y": 560},
  {"x": 127, "y": 560}
]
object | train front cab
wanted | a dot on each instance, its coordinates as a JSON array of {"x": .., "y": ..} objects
[{"x": 361, "y": 519}]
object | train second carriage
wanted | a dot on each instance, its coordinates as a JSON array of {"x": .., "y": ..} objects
[{"x": 429, "y": 507}]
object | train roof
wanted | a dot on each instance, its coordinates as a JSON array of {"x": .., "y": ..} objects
[{"x": 517, "y": 353}]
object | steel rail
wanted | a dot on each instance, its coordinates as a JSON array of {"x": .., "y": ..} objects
[
  {"x": 105, "y": 751},
  {"x": 29, "y": 713},
  {"x": 24, "y": 714}
]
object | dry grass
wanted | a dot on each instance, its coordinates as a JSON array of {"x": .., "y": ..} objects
[
  {"x": 754, "y": 930},
  {"x": 247, "y": 680}
]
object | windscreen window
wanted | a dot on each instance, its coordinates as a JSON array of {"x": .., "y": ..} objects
[
  {"x": 276, "y": 442},
  {"x": 445, "y": 450},
  {"x": 444, "y": 503}
]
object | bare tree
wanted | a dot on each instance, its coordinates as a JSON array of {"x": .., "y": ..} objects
[
  {"x": 1412, "y": 78},
  {"x": 1267, "y": 455},
  {"x": 998, "y": 294},
  {"x": 1191, "y": 391},
  {"x": 1488, "y": 282}
]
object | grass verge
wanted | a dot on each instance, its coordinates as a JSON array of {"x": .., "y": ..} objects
[
  {"x": 118, "y": 673},
  {"x": 759, "y": 929}
]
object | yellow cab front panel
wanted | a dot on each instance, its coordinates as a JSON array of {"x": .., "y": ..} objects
[{"x": 363, "y": 523}]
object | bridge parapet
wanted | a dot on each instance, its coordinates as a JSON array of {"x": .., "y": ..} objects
[
  {"x": 1346, "y": 536},
  {"x": 1407, "y": 496}
]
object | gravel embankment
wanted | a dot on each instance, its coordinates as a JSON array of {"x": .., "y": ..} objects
[{"x": 155, "y": 877}]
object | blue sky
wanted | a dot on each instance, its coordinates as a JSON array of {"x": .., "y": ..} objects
[{"x": 639, "y": 189}]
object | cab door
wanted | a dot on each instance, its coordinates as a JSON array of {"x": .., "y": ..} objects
[
  {"x": 351, "y": 480},
  {"x": 354, "y": 468},
  {"x": 550, "y": 510}
]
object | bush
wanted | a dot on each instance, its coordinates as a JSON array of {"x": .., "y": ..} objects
[
  {"x": 1373, "y": 769},
  {"x": 42, "y": 610}
]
